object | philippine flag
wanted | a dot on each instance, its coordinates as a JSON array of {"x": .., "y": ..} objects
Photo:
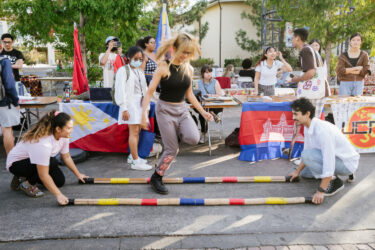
[
  {"x": 267, "y": 128},
  {"x": 95, "y": 127}
]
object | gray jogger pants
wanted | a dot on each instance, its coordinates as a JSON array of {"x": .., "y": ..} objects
[{"x": 174, "y": 122}]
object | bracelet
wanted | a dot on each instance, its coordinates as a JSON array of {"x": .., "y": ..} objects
[{"x": 320, "y": 189}]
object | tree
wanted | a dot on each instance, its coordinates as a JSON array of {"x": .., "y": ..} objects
[
  {"x": 242, "y": 40},
  {"x": 331, "y": 21},
  {"x": 195, "y": 14},
  {"x": 51, "y": 21}
]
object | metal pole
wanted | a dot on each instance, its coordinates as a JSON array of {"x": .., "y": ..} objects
[{"x": 220, "y": 33}]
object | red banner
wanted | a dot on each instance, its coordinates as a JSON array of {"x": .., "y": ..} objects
[{"x": 80, "y": 84}]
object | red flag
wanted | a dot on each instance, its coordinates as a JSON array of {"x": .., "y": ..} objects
[
  {"x": 119, "y": 62},
  {"x": 80, "y": 84}
]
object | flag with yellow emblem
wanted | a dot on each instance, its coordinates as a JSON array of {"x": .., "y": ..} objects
[{"x": 95, "y": 127}]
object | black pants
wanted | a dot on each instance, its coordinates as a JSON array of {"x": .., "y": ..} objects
[
  {"x": 203, "y": 122},
  {"x": 25, "y": 168}
]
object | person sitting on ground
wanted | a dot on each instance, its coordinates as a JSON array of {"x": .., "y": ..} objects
[
  {"x": 209, "y": 86},
  {"x": 33, "y": 159},
  {"x": 326, "y": 154}
]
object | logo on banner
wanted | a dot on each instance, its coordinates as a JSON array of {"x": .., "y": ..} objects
[
  {"x": 281, "y": 131},
  {"x": 361, "y": 128}
]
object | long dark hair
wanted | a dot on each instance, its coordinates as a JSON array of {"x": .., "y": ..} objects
[
  {"x": 46, "y": 126},
  {"x": 318, "y": 42},
  {"x": 142, "y": 42},
  {"x": 263, "y": 57},
  {"x": 132, "y": 51}
]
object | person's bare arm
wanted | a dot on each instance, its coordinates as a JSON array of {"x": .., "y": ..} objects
[
  {"x": 104, "y": 58},
  {"x": 18, "y": 64},
  {"x": 306, "y": 76},
  {"x": 43, "y": 173}
]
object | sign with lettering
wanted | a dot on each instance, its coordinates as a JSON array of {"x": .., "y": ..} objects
[{"x": 357, "y": 122}]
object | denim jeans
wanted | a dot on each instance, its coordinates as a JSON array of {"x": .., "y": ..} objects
[
  {"x": 313, "y": 159},
  {"x": 351, "y": 88}
]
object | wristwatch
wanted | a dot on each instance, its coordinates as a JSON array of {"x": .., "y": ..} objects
[{"x": 320, "y": 189}]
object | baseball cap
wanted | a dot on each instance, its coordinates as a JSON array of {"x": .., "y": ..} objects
[{"x": 110, "y": 38}]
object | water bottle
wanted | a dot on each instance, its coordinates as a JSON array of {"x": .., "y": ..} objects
[{"x": 66, "y": 93}]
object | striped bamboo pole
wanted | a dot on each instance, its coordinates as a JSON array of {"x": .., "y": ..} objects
[
  {"x": 191, "y": 201},
  {"x": 181, "y": 180}
]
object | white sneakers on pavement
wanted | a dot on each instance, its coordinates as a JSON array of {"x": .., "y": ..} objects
[{"x": 139, "y": 164}]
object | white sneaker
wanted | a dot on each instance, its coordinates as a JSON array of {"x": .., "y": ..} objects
[
  {"x": 156, "y": 149},
  {"x": 130, "y": 159},
  {"x": 202, "y": 139},
  {"x": 297, "y": 162},
  {"x": 139, "y": 165}
]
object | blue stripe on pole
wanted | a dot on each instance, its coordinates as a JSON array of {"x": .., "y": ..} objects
[
  {"x": 194, "y": 180},
  {"x": 191, "y": 202}
]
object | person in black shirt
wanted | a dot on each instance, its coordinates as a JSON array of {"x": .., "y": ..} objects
[
  {"x": 175, "y": 122},
  {"x": 247, "y": 71},
  {"x": 15, "y": 56}
]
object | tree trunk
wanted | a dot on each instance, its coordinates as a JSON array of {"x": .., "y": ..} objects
[
  {"x": 82, "y": 41},
  {"x": 328, "y": 59}
]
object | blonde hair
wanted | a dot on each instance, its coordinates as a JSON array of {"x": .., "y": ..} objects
[
  {"x": 46, "y": 126},
  {"x": 182, "y": 42},
  {"x": 226, "y": 72}
]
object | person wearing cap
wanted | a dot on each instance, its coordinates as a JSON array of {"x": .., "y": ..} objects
[{"x": 107, "y": 59}]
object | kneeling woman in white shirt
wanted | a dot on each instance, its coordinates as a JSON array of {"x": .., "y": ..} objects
[
  {"x": 129, "y": 94},
  {"x": 266, "y": 69},
  {"x": 33, "y": 159}
]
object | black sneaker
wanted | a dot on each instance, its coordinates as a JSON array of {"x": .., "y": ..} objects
[
  {"x": 157, "y": 184},
  {"x": 351, "y": 178},
  {"x": 334, "y": 186}
]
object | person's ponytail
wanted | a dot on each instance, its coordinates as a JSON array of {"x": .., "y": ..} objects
[{"x": 46, "y": 126}]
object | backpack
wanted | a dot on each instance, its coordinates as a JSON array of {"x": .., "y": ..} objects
[
  {"x": 232, "y": 139},
  {"x": 114, "y": 87},
  {"x": 2, "y": 88}
]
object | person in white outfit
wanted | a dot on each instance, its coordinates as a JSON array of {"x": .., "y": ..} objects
[{"x": 129, "y": 93}]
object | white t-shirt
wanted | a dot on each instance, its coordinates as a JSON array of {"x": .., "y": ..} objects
[
  {"x": 267, "y": 74},
  {"x": 108, "y": 70},
  {"x": 38, "y": 152}
]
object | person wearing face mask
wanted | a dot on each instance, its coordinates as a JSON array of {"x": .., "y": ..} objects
[
  {"x": 352, "y": 67},
  {"x": 266, "y": 70},
  {"x": 108, "y": 59},
  {"x": 33, "y": 160},
  {"x": 129, "y": 95},
  {"x": 209, "y": 86}
]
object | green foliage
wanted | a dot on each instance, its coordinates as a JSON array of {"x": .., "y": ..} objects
[
  {"x": 332, "y": 68},
  {"x": 331, "y": 21},
  {"x": 237, "y": 62},
  {"x": 202, "y": 61},
  {"x": 51, "y": 21},
  {"x": 242, "y": 40}
]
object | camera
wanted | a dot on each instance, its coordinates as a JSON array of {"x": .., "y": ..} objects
[{"x": 117, "y": 44}]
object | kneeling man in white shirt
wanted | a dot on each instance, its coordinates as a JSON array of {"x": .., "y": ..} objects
[{"x": 327, "y": 152}]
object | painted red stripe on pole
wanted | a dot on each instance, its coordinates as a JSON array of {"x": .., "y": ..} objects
[
  {"x": 236, "y": 201},
  {"x": 149, "y": 202},
  {"x": 230, "y": 179},
  {"x": 148, "y": 180}
]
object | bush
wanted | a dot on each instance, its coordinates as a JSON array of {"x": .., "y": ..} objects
[
  {"x": 237, "y": 62},
  {"x": 202, "y": 61}
]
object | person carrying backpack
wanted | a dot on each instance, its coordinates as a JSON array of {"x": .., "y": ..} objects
[{"x": 9, "y": 107}]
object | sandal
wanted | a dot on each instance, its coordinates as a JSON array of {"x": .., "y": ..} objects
[
  {"x": 15, "y": 184},
  {"x": 31, "y": 190}
]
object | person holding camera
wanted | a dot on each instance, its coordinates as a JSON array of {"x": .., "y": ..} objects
[{"x": 107, "y": 60}]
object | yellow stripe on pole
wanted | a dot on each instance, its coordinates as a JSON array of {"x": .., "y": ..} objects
[
  {"x": 276, "y": 200},
  {"x": 107, "y": 202},
  {"x": 120, "y": 180},
  {"x": 262, "y": 178}
]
